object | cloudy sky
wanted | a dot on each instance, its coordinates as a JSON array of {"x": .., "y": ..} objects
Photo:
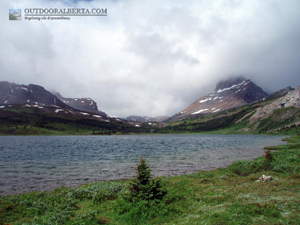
[{"x": 152, "y": 57}]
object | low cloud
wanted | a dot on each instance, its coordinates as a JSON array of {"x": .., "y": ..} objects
[{"x": 152, "y": 57}]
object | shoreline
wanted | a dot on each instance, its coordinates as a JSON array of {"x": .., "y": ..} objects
[
  {"x": 231, "y": 195},
  {"x": 150, "y": 134},
  {"x": 69, "y": 185}
]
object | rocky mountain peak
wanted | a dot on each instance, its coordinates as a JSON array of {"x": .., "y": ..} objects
[
  {"x": 230, "y": 82},
  {"x": 35, "y": 95},
  {"x": 230, "y": 93},
  {"x": 84, "y": 104},
  {"x": 282, "y": 92},
  {"x": 15, "y": 94}
]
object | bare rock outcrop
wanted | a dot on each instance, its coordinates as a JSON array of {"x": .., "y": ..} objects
[{"x": 292, "y": 98}]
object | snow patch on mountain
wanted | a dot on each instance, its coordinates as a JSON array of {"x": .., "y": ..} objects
[
  {"x": 200, "y": 111},
  {"x": 59, "y": 110},
  {"x": 228, "y": 94},
  {"x": 205, "y": 100},
  {"x": 233, "y": 86}
]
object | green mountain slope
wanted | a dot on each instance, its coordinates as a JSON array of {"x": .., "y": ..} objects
[
  {"x": 276, "y": 114},
  {"x": 22, "y": 120}
]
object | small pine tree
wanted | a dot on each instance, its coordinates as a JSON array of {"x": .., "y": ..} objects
[
  {"x": 143, "y": 186},
  {"x": 147, "y": 198}
]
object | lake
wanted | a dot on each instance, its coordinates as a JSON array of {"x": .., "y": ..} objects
[{"x": 30, "y": 163}]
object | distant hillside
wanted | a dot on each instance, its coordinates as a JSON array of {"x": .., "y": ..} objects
[
  {"x": 143, "y": 119},
  {"x": 27, "y": 110},
  {"x": 31, "y": 109},
  {"x": 280, "y": 93},
  {"x": 84, "y": 104},
  {"x": 15, "y": 94},
  {"x": 231, "y": 93},
  {"x": 50, "y": 119},
  {"x": 277, "y": 114},
  {"x": 35, "y": 95}
]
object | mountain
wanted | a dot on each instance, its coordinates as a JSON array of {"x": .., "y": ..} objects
[
  {"x": 230, "y": 93},
  {"x": 83, "y": 104},
  {"x": 280, "y": 113},
  {"x": 31, "y": 109},
  {"x": 280, "y": 93},
  {"x": 35, "y": 95},
  {"x": 16, "y": 15},
  {"x": 143, "y": 119},
  {"x": 15, "y": 94},
  {"x": 291, "y": 99}
]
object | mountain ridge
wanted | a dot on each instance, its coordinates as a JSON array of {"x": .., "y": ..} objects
[
  {"x": 37, "y": 96},
  {"x": 142, "y": 119},
  {"x": 84, "y": 104},
  {"x": 280, "y": 112},
  {"x": 16, "y": 94},
  {"x": 230, "y": 93}
]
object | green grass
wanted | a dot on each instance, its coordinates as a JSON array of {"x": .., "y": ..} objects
[{"x": 231, "y": 195}]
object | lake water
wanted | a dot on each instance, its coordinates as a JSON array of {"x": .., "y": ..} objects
[{"x": 30, "y": 163}]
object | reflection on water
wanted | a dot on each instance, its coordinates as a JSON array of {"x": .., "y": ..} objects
[{"x": 46, "y": 162}]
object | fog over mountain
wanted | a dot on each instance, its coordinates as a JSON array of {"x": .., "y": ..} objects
[
  {"x": 228, "y": 94},
  {"x": 152, "y": 57}
]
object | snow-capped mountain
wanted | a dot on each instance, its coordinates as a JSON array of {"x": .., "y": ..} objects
[
  {"x": 231, "y": 93},
  {"x": 15, "y": 94},
  {"x": 84, "y": 104},
  {"x": 15, "y": 15},
  {"x": 35, "y": 95}
]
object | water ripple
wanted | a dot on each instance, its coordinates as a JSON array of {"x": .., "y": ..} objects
[{"x": 44, "y": 163}]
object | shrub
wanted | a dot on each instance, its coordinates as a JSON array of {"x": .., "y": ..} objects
[{"x": 98, "y": 192}]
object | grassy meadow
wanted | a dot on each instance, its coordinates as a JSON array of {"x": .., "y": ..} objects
[{"x": 231, "y": 195}]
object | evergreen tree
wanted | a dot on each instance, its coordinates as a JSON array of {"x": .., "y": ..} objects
[{"x": 143, "y": 186}]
